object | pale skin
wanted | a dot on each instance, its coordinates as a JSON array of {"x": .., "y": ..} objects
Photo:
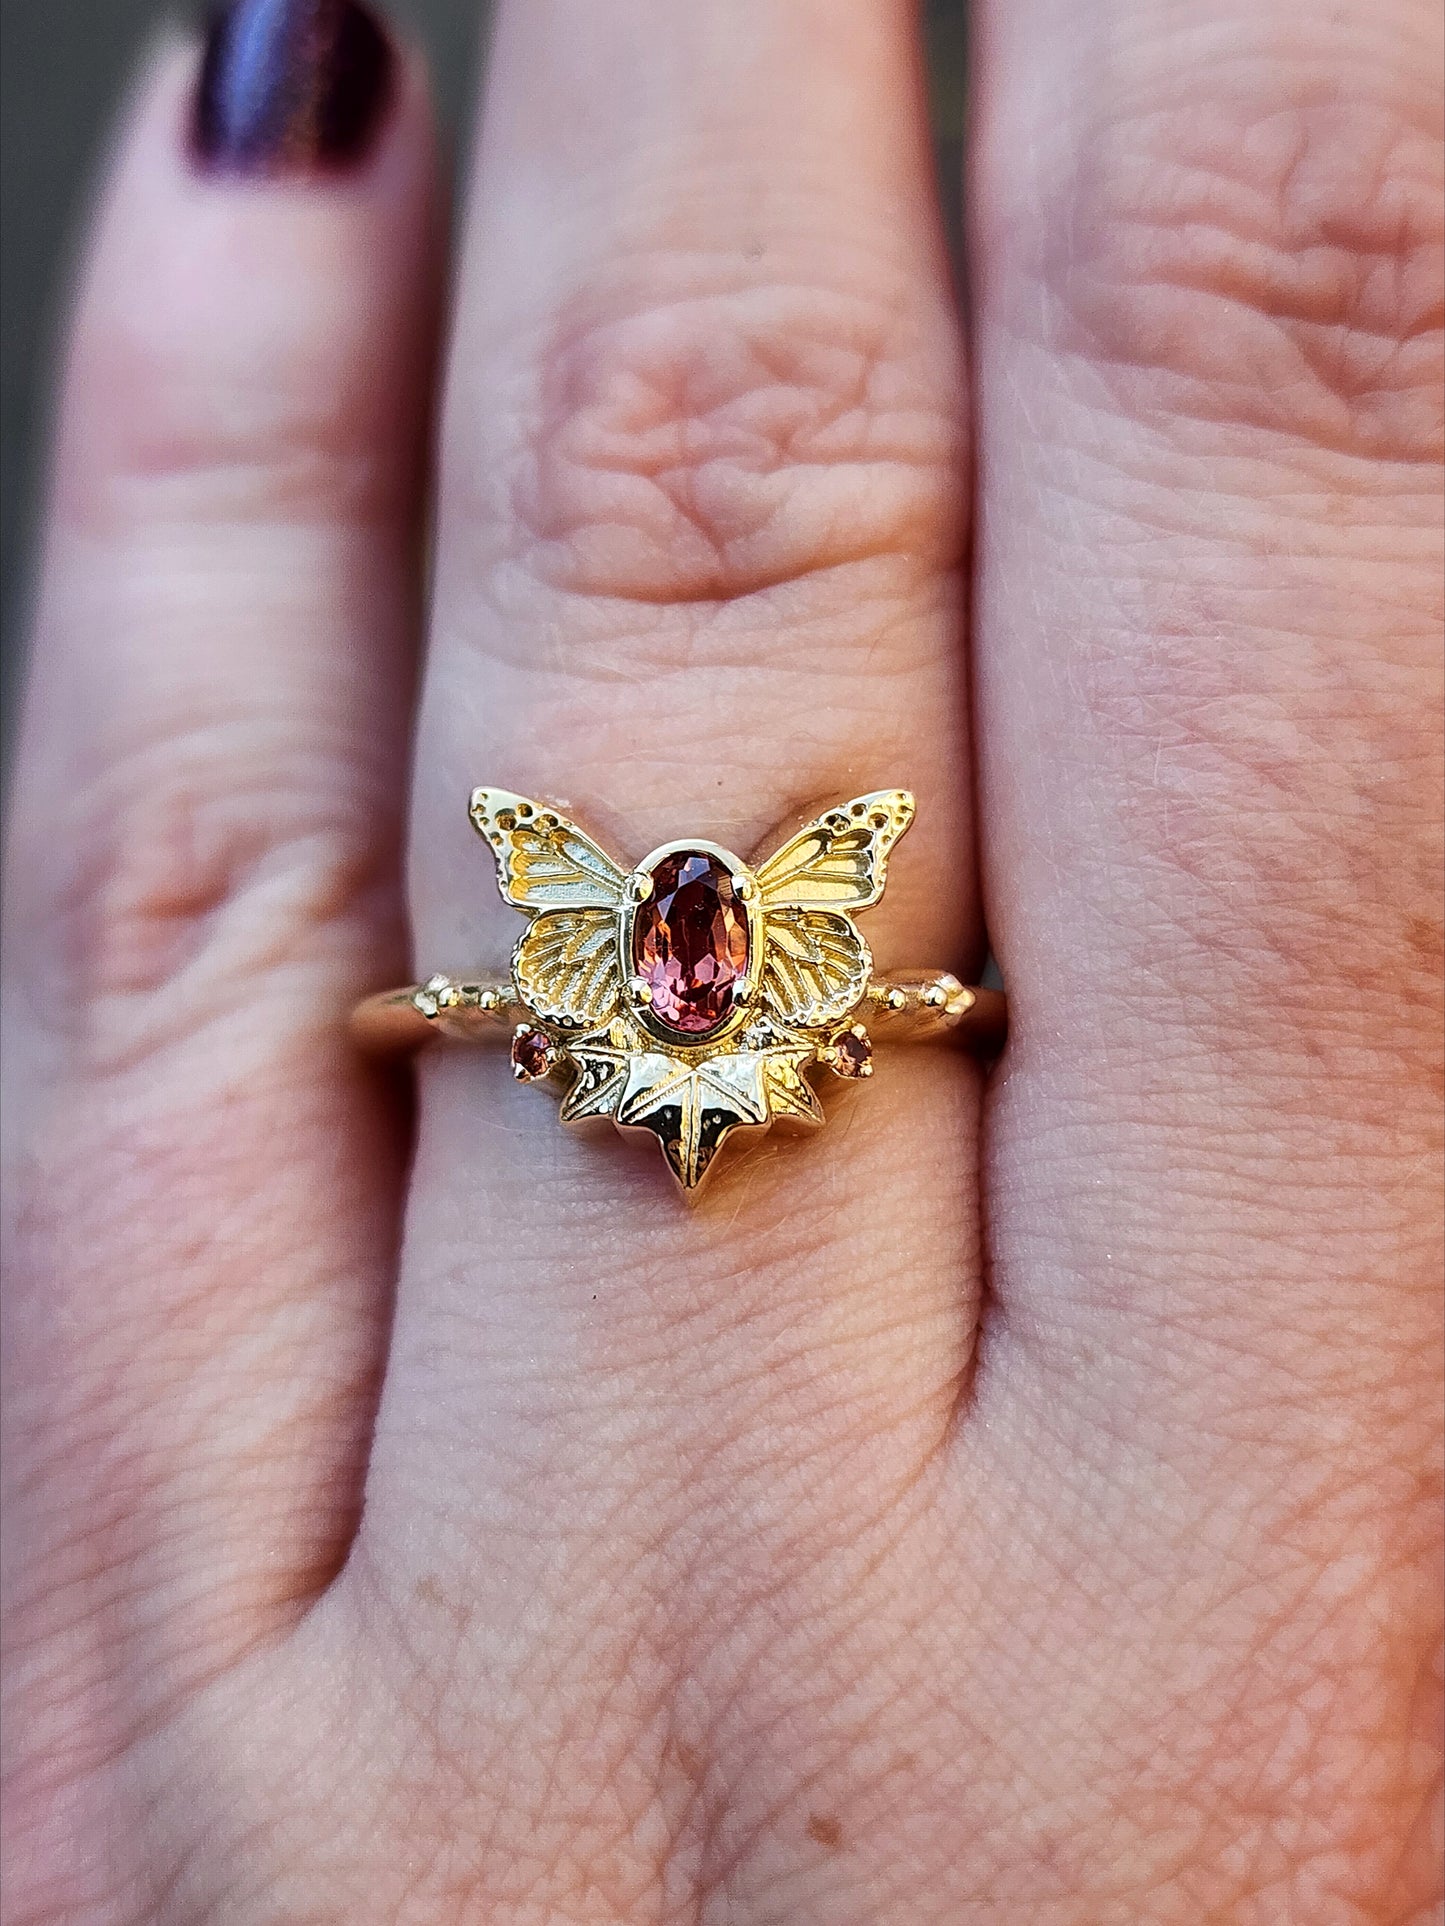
[{"x": 1016, "y": 1503}]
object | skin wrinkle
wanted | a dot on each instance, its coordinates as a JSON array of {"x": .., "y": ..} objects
[
  {"x": 693, "y": 651},
  {"x": 662, "y": 1587},
  {"x": 1206, "y": 1803},
  {"x": 715, "y": 1879},
  {"x": 1185, "y": 684},
  {"x": 743, "y": 1459},
  {"x": 1313, "y": 217},
  {"x": 237, "y": 1608},
  {"x": 182, "y": 832},
  {"x": 1339, "y": 504},
  {"x": 86, "y": 1883},
  {"x": 721, "y": 431}
]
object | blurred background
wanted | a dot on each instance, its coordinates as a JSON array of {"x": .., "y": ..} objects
[{"x": 63, "y": 69}]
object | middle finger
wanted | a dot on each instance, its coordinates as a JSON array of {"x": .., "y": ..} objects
[{"x": 699, "y": 543}]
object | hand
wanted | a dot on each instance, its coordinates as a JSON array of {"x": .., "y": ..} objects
[{"x": 1011, "y": 1505}]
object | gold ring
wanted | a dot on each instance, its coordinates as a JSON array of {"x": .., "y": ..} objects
[{"x": 693, "y": 995}]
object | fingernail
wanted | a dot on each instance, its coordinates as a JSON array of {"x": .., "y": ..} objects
[{"x": 291, "y": 86}]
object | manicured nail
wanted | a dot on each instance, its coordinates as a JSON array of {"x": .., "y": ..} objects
[{"x": 291, "y": 86}]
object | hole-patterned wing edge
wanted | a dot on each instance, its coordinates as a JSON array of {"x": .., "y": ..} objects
[
  {"x": 544, "y": 861},
  {"x": 839, "y": 862}
]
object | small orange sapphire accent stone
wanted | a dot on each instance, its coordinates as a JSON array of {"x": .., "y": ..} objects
[
  {"x": 853, "y": 1054},
  {"x": 690, "y": 943},
  {"x": 532, "y": 1055}
]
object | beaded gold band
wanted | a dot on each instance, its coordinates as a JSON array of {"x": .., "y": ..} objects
[
  {"x": 929, "y": 1007},
  {"x": 693, "y": 995}
]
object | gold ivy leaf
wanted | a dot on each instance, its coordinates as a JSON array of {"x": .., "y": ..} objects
[
  {"x": 602, "y": 1065},
  {"x": 691, "y": 1108},
  {"x": 690, "y": 1102}
]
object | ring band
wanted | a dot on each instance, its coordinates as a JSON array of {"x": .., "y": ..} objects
[
  {"x": 693, "y": 995},
  {"x": 928, "y": 1006}
]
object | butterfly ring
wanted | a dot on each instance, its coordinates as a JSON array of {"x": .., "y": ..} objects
[{"x": 693, "y": 995}]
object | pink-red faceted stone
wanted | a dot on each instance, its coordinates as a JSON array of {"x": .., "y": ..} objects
[
  {"x": 854, "y": 1055},
  {"x": 531, "y": 1055},
  {"x": 690, "y": 942}
]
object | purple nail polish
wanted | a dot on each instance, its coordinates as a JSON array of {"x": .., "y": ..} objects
[{"x": 291, "y": 86}]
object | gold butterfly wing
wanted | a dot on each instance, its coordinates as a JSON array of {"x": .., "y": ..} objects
[
  {"x": 566, "y": 962},
  {"x": 816, "y": 965}
]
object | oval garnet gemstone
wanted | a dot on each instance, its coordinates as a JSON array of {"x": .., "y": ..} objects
[{"x": 690, "y": 942}]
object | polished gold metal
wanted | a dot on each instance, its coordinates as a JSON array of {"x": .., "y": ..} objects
[
  {"x": 576, "y": 1014},
  {"x": 930, "y": 1007}
]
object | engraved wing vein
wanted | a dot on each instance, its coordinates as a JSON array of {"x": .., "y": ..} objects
[
  {"x": 816, "y": 965},
  {"x": 566, "y": 966}
]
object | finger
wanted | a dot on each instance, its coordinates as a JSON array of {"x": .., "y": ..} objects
[
  {"x": 200, "y": 1184},
  {"x": 698, "y": 569},
  {"x": 1216, "y": 881},
  {"x": 1206, "y": 249}
]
